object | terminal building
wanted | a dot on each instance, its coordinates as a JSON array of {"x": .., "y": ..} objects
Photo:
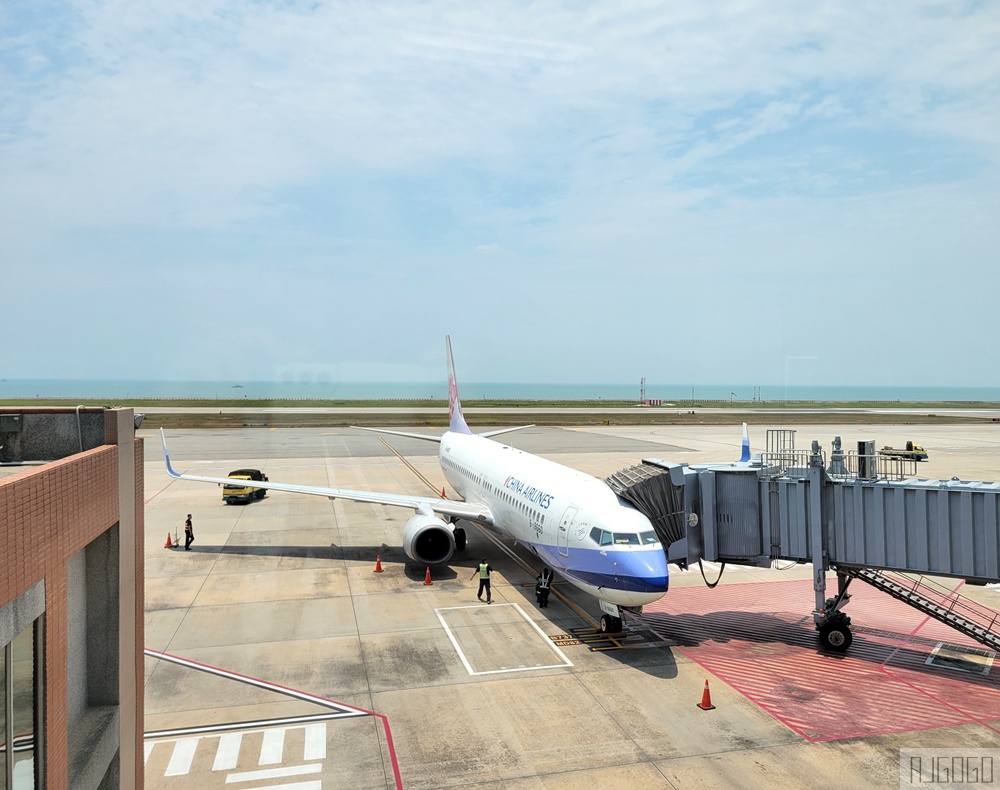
[{"x": 71, "y": 601}]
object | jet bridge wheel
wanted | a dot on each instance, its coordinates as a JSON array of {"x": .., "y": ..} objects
[
  {"x": 610, "y": 625},
  {"x": 835, "y": 634}
]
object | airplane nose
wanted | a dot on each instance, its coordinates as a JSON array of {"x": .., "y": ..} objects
[{"x": 644, "y": 571}]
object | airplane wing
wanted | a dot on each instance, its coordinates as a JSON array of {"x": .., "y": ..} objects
[
  {"x": 444, "y": 507},
  {"x": 498, "y": 431},
  {"x": 424, "y": 436},
  {"x": 429, "y": 438}
]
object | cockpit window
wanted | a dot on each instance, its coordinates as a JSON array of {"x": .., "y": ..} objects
[
  {"x": 602, "y": 537},
  {"x": 648, "y": 537},
  {"x": 626, "y": 539}
]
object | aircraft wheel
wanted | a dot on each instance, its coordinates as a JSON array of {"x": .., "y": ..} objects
[
  {"x": 459, "y": 538},
  {"x": 610, "y": 625},
  {"x": 836, "y": 636}
]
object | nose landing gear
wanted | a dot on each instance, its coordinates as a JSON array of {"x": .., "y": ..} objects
[{"x": 611, "y": 625}]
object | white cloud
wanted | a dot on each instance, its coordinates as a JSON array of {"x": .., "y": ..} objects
[{"x": 672, "y": 147}]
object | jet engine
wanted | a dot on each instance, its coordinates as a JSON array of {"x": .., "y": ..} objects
[{"x": 428, "y": 540}]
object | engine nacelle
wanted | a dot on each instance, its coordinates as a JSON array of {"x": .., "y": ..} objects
[{"x": 428, "y": 540}]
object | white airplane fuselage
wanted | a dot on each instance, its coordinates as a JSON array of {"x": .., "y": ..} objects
[{"x": 574, "y": 522}]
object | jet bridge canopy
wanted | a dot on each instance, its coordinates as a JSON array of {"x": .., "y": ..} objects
[{"x": 654, "y": 494}]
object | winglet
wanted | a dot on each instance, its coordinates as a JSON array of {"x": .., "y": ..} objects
[
  {"x": 166, "y": 455},
  {"x": 456, "y": 421},
  {"x": 746, "y": 445}
]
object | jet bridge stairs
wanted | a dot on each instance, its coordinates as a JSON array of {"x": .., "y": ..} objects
[{"x": 861, "y": 516}]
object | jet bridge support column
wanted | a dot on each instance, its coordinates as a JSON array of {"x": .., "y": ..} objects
[
  {"x": 833, "y": 625},
  {"x": 815, "y": 516},
  {"x": 815, "y": 510}
]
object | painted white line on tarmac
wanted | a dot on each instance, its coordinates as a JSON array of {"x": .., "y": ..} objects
[
  {"x": 228, "y": 753},
  {"x": 544, "y": 637},
  {"x": 272, "y": 747},
  {"x": 520, "y": 611},
  {"x": 248, "y": 726},
  {"x": 182, "y": 757},
  {"x": 274, "y": 773},
  {"x": 454, "y": 642},
  {"x": 315, "y": 748}
]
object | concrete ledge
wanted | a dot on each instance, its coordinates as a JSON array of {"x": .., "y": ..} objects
[
  {"x": 21, "y": 612},
  {"x": 93, "y": 746}
]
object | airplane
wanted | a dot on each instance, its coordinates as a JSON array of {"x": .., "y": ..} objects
[{"x": 572, "y": 521}]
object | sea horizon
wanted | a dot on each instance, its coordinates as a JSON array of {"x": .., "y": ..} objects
[{"x": 360, "y": 390}]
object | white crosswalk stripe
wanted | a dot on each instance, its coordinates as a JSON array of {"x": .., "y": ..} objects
[
  {"x": 273, "y": 746},
  {"x": 274, "y": 773},
  {"x": 315, "y": 742},
  {"x": 228, "y": 753},
  {"x": 182, "y": 757},
  {"x": 228, "y": 746}
]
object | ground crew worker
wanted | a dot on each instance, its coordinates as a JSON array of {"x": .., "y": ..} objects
[
  {"x": 484, "y": 580},
  {"x": 188, "y": 533},
  {"x": 543, "y": 586}
]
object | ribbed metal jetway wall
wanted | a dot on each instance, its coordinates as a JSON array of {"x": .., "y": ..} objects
[
  {"x": 785, "y": 515},
  {"x": 948, "y": 528},
  {"x": 864, "y": 525},
  {"x": 748, "y": 514}
]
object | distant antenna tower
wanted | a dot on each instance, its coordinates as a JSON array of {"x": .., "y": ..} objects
[{"x": 642, "y": 390}]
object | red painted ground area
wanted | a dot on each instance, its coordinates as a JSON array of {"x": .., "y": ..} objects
[{"x": 760, "y": 639}]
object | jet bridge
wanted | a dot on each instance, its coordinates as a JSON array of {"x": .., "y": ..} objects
[{"x": 860, "y": 515}]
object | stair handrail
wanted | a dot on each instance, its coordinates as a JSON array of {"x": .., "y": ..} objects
[{"x": 958, "y": 605}]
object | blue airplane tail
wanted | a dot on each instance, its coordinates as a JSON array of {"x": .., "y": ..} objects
[{"x": 746, "y": 445}]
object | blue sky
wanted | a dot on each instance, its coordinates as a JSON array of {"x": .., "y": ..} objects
[{"x": 713, "y": 193}]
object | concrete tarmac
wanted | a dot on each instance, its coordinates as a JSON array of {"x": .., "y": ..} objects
[{"x": 278, "y": 658}]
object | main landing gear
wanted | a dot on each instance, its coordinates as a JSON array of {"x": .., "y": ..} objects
[
  {"x": 459, "y": 538},
  {"x": 835, "y": 634},
  {"x": 835, "y": 629}
]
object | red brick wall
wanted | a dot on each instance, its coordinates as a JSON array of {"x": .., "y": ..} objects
[{"x": 47, "y": 514}]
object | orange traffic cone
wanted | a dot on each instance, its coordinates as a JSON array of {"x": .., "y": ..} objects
[
  {"x": 169, "y": 544},
  {"x": 706, "y": 698},
  {"x": 378, "y": 563},
  {"x": 443, "y": 494},
  {"x": 427, "y": 576}
]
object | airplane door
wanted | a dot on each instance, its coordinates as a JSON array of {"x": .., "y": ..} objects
[{"x": 564, "y": 527}]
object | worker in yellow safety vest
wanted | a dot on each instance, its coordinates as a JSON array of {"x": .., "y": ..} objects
[{"x": 484, "y": 570}]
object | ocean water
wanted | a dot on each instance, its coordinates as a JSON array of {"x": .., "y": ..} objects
[{"x": 123, "y": 391}]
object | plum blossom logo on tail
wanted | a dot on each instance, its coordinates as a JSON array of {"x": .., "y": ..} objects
[{"x": 452, "y": 397}]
